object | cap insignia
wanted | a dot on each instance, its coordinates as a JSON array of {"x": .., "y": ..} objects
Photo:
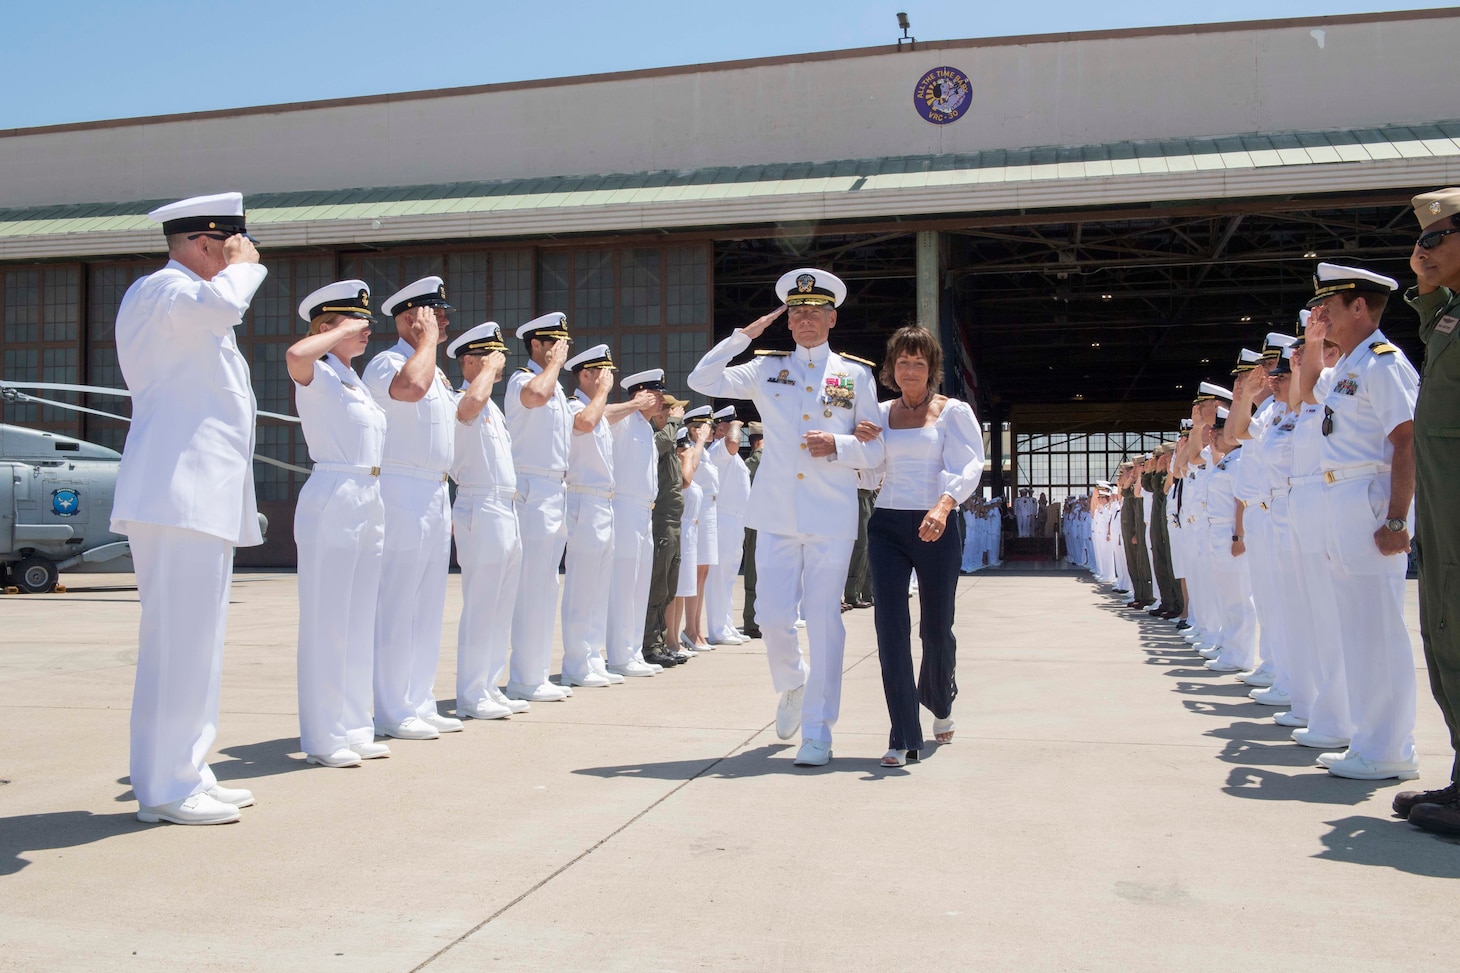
[
  {"x": 365, "y": 298},
  {"x": 805, "y": 283},
  {"x": 1435, "y": 206}
]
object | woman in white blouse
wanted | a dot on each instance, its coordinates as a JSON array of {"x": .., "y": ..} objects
[
  {"x": 339, "y": 527},
  {"x": 934, "y": 461}
]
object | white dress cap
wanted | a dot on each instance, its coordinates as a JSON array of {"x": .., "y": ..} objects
[
  {"x": 1303, "y": 317},
  {"x": 703, "y": 412},
  {"x": 350, "y": 297},
  {"x": 595, "y": 357},
  {"x": 553, "y": 324},
  {"x": 426, "y": 292},
  {"x": 481, "y": 340},
  {"x": 1334, "y": 279},
  {"x": 726, "y": 414},
  {"x": 220, "y": 212},
  {"x": 807, "y": 285},
  {"x": 652, "y": 379},
  {"x": 1209, "y": 388},
  {"x": 1223, "y": 412}
]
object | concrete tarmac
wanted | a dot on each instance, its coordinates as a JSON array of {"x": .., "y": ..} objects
[{"x": 1107, "y": 805}]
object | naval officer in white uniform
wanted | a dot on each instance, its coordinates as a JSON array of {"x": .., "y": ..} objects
[
  {"x": 540, "y": 425},
  {"x": 185, "y": 496},
  {"x": 339, "y": 527},
  {"x": 420, "y": 412},
  {"x": 803, "y": 503},
  {"x": 635, "y": 485},
  {"x": 484, "y": 525},
  {"x": 732, "y": 501}
]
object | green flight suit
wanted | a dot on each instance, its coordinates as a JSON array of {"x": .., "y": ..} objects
[
  {"x": 1436, "y": 516},
  {"x": 747, "y": 561},
  {"x": 1133, "y": 536}
]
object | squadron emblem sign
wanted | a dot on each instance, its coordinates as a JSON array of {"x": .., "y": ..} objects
[{"x": 943, "y": 95}]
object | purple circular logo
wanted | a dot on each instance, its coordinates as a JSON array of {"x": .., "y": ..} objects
[{"x": 942, "y": 95}]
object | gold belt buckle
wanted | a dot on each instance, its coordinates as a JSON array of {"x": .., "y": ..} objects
[
  {"x": 1264, "y": 505},
  {"x": 444, "y": 477},
  {"x": 374, "y": 471},
  {"x": 1328, "y": 477}
]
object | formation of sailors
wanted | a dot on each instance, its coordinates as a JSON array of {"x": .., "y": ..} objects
[{"x": 983, "y": 534}]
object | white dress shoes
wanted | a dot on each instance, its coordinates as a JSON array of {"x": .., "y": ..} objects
[
  {"x": 408, "y": 729},
  {"x": 546, "y": 693},
  {"x": 197, "y": 809},
  {"x": 1271, "y": 697},
  {"x": 483, "y": 709},
  {"x": 634, "y": 669},
  {"x": 590, "y": 680},
  {"x": 442, "y": 724},
  {"x": 1288, "y": 719},
  {"x": 1210, "y": 653},
  {"x": 1362, "y": 768},
  {"x": 343, "y": 757},
  {"x": 1308, "y": 738},
  {"x": 237, "y": 796},
  {"x": 515, "y": 705},
  {"x": 788, "y": 713},
  {"x": 1262, "y": 677},
  {"x": 597, "y": 666},
  {"x": 1217, "y": 665},
  {"x": 813, "y": 753},
  {"x": 371, "y": 750}
]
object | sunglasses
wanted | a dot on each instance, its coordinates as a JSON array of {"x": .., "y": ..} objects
[
  {"x": 1431, "y": 240},
  {"x": 1327, "y": 421}
]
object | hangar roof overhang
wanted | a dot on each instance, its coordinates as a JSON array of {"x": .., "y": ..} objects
[{"x": 1146, "y": 173}]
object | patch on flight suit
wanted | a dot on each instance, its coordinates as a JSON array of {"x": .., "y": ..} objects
[
  {"x": 1382, "y": 348},
  {"x": 1447, "y": 324},
  {"x": 1348, "y": 385}
]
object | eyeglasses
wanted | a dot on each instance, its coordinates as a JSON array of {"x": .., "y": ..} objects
[
  {"x": 1327, "y": 421},
  {"x": 1431, "y": 240},
  {"x": 220, "y": 237}
]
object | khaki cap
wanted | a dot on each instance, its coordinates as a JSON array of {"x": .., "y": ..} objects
[{"x": 1438, "y": 205}]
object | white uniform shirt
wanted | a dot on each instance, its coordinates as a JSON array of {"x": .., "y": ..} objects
[
  {"x": 1220, "y": 500},
  {"x": 419, "y": 435},
  {"x": 342, "y": 421},
  {"x": 1277, "y": 447},
  {"x": 734, "y": 497},
  {"x": 540, "y": 436},
  {"x": 188, "y": 459},
  {"x": 590, "y": 454},
  {"x": 924, "y": 463},
  {"x": 707, "y": 478},
  {"x": 482, "y": 458},
  {"x": 1252, "y": 482},
  {"x": 635, "y": 460},
  {"x": 1370, "y": 395},
  {"x": 793, "y": 492}
]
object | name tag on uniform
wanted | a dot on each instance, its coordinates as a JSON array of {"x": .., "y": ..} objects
[{"x": 1447, "y": 324}]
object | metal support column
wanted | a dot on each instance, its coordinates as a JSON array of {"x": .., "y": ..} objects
[{"x": 930, "y": 281}]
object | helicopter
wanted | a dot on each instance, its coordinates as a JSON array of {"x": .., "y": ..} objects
[{"x": 56, "y": 495}]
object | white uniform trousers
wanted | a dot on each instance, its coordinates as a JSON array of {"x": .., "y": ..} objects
[
  {"x": 1236, "y": 617},
  {"x": 720, "y": 585},
  {"x": 628, "y": 589},
  {"x": 810, "y": 571},
  {"x": 339, "y": 530},
  {"x": 1377, "y": 655},
  {"x": 489, "y": 550},
  {"x": 408, "y": 616},
  {"x": 1203, "y": 584},
  {"x": 1262, "y": 568},
  {"x": 1316, "y": 639},
  {"x": 587, "y": 582},
  {"x": 1122, "y": 570},
  {"x": 183, "y": 578},
  {"x": 542, "y": 519}
]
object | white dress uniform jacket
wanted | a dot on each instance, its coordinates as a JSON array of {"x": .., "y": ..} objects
[
  {"x": 589, "y": 566},
  {"x": 635, "y": 486}
]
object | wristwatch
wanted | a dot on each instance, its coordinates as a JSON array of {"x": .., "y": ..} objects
[
  {"x": 1395, "y": 524},
  {"x": 1236, "y": 538}
]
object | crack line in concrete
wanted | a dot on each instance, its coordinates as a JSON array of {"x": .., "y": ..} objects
[{"x": 607, "y": 838}]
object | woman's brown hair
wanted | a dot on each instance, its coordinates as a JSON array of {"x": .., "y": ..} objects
[{"x": 916, "y": 342}]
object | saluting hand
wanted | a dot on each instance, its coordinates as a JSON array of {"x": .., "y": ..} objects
[
  {"x": 755, "y": 328},
  {"x": 493, "y": 364},
  {"x": 239, "y": 249},
  {"x": 557, "y": 354},
  {"x": 644, "y": 399},
  {"x": 423, "y": 327},
  {"x": 699, "y": 433}
]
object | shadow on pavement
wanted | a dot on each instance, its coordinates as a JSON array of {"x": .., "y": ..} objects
[
  {"x": 1309, "y": 785},
  {"x": 750, "y": 763},
  {"x": 57, "y": 829},
  {"x": 1361, "y": 840}
]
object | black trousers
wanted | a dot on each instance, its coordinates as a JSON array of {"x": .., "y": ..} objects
[
  {"x": 895, "y": 551},
  {"x": 747, "y": 566},
  {"x": 663, "y": 580},
  {"x": 859, "y": 575}
]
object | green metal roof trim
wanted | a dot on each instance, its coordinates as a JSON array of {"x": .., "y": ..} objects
[{"x": 747, "y": 183}]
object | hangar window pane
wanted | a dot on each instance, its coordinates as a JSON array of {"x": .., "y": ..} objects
[
  {"x": 593, "y": 290},
  {"x": 469, "y": 289},
  {"x": 640, "y": 287},
  {"x": 511, "y": 289},
  {"x": 685, "y": 348},
  {"x": 22, "y": 306},
  {"x": 21, "y": 365},
  {"x": 62, "y": 303},
  {"x": 552, "y": 286},
  {"x": 638, "y": 352},
  {"x": 687, "y": 290}
]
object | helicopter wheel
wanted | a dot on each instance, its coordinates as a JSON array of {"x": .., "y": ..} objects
[{"x": 35, "y": 574}]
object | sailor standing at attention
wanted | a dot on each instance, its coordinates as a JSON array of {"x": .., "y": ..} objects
[
  {"x": 339, "y": 527},
  {"x": 484, "y": 525},
  {"x": 803, "y": 503},
  {"x": 185, "y": 496},
  {"x": 541, "y": 426},
  {"x": 734, "y": 494},
  {"x": 420, "y": 418}
]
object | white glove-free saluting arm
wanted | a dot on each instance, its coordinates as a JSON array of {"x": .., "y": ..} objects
[
  {"x": 218, "y": 304},
  {"x": 712, "y": 376}
]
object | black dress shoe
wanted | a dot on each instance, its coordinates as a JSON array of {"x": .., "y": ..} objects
[
  {"x": 1405, "y": 801},
  {"x": 862, "y": 604},
  {"x": 661, "y": 659},
  {"x": 1182, "y": 625},
  {"x": 752, "y": 632},
  {"x": 1436, "y": 818}
]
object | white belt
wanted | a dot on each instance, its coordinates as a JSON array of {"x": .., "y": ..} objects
[
  {"x": 1344, "y": 473},
  {"x": 636, "y": 501},
  {"x": 414, "y": 472},
  {"x": 346, "y": 468},
  {"x": 591, "y": 491},
  {"x": 484, "y": 492},
  {"x": 558, "y": 475}
]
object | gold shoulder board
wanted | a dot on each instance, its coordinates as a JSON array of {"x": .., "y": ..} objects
[
  {"x": 1382, "y": 348},
  {"x": 860, "y": 361},
  {"x": 523, "y": 368},
  {"x": 772, "y": 354}
]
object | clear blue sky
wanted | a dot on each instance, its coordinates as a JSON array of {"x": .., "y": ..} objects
[{"x": 80, "y": 61}]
